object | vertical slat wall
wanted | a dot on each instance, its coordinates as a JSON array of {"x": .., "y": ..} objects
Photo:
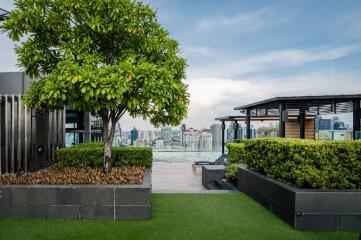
[
  {"x": 293, "y": 128},
  {"x": 18, "y": 136}
]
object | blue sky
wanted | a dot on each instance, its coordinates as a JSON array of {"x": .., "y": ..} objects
[{"x": 242, "y": 51}]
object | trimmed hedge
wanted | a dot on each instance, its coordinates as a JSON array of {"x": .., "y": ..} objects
[
  {"x": 91, "y": 155},
  {"x": 89, "y": 144},
  {"x": 303, "y": 163},
  {"x": 236, "y": 152}
]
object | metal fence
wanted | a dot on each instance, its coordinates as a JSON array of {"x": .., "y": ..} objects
[{"x": 28, "y": 138}]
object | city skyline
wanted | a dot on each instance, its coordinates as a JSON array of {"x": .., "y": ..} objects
[{"x": 209, "y": 139}]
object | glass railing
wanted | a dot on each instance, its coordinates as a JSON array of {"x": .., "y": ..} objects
[
  {"x": 334, "y": 135},
  {"x": 176, "y": 153},
  {"x": 182, "y": 157},
  {"x": 173, "y": 152}
]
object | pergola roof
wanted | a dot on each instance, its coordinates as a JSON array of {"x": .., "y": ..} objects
[
  {"x": 228, "y": 118},
  {"x": 311, "y": 105},
  {"x": 255, "y": 118}
]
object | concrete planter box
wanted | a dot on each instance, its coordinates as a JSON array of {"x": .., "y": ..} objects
[
  {"x": 113, "y": 202},
  {"x": 304, "y": 208},
  {"x": 212, "y": 173},
  {"x": 215, "y": 174}
]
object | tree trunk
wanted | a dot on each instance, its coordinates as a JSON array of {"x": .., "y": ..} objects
[
  {"x": 107, "y": 162},
  {"x": 107, "y": 141},
  {"x": 109, "y": 118}
]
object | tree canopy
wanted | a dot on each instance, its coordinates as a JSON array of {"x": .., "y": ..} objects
[{"x": 104, "y": 56}]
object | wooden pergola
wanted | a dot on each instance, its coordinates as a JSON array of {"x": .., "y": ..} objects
[{"x": 301, "y": 108}]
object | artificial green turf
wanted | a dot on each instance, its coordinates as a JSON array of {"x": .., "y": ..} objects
[{"x": 175, "y": 216}]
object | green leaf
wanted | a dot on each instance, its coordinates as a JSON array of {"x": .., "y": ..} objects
[{"x": 83, "y": 90}]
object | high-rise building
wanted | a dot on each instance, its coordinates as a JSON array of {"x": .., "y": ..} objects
[
  {"x": 134, "y": 134},
  {"x": 167, "y": 135},
  {"x": 183, "y": 129},
  {"x": 240, "y": 132},
  {"x": 118, "y": 135},
  {"x": 230, "y": 133},
  {"x": 323, "y": 124},
  {"x": 191, "y": 140},
  {"x": 158, "y": 143},
  {"x": 205, "y": 141},
  {"x": 177, "y": 138},
  {"x": 216, "y": 131},
  {"x": 338, "y": 124},
  {"x": 253, "y": 132}
]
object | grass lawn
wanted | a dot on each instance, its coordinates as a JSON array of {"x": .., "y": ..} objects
[{"x": 175, "y": 216}]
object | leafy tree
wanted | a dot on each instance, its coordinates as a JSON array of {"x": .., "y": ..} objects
[{"x": 106, "y": 56}]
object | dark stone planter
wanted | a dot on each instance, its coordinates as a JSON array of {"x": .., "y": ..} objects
[
  {"x": 215, "y": 175},
  {"x": 113, "y": 202},
  {"x": 226, "y": 185},
  {"x": 212, "y": 173},
  {"x": 304, "y": 208}
]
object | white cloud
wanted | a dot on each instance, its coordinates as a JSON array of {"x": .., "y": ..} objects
[
  {"x": 272, "y": 60},
  {"x": 200, "y": 50},
  {"x": 244, "y": 22},
  {"x": 215, "y": 97}
]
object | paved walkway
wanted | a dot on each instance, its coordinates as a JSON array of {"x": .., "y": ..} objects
[{"x": 178, "y": 178}]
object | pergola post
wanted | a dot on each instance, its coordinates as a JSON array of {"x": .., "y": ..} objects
[
  {"x": 223, "y": 126},
  {"x": 356, "y": 118},
  {"x": 248, "y": 124},
  {"x": 282, "y": 124},
  {"x": 235, "y": 130},
  {"x": 302, "y": 124}
]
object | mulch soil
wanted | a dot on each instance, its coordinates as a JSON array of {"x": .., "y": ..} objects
[{"x": 65, "y": 176}]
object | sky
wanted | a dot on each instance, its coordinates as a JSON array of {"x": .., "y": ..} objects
[{"x": 239, "y": 52}]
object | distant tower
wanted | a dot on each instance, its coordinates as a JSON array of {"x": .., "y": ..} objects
[
  {"x": 118, "y": 134},
  {"x": 216, "y": 131},
  {"x": 230, "y": 133},
  {"x": 183, "y": 129},
  {"x": 119, "y": 129},
  {"x": 167, "y": 135},
  {"x": 134, "y": 134}
]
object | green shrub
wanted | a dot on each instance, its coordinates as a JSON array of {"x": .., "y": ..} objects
[
  {"x": 92, "y": 156},
  {"x": 89, "y": 144},
  {"x": 304, "y": 163},
  {"x": 235, "y": 152},
  {"x": 231, "y": 172}
]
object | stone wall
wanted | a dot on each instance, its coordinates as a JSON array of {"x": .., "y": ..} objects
[{"x": 113, "y": 202}]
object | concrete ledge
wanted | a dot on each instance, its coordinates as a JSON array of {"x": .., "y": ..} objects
[
  {"x": 304, "y": 208},
  {"x": 226, "y": 186},
  {"x": 115, "y": 202},
  {"x": 212, "y": 173}
]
